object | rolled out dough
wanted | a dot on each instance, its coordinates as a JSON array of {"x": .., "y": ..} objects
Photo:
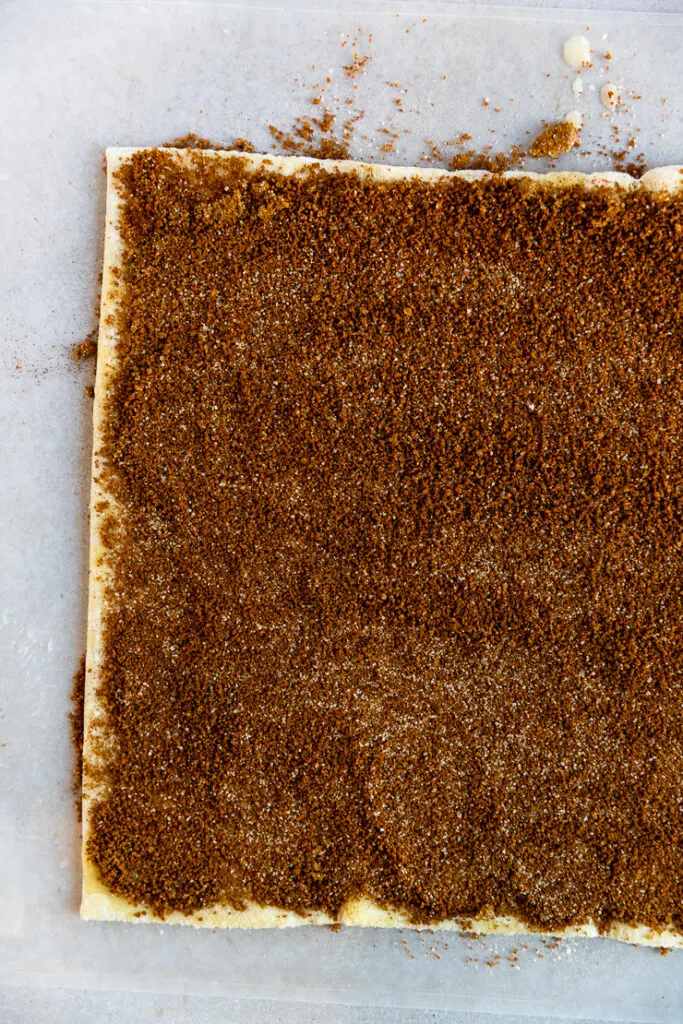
[{"x": 98, "y": 903}]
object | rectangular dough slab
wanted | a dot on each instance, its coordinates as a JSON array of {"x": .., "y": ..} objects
[{"x": 98, "y": 903}]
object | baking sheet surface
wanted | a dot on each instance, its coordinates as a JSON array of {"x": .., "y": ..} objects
[{"x": 75, "y": 78}]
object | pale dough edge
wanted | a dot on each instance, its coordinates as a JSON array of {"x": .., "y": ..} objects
[{"x": 97, "y": 902}]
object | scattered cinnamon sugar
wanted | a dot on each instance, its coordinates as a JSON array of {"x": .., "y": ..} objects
[
  {"x": 357, "y": 66},
  {"x": 414, "y": 537},
  {"x": 466, "y": 158},
  {"x": 496, "y": 163},
  {"x": 349, "y": 129},
  {"x": 87, "y": 348},
  {"x": 192, "y": 141},
  {"x": 313, "y": 137},
  {"x": 554, "y": 140},
  {"x": 306, "y": 138},
  {"x": 243, "y": 145},
  {"x": 626, "y": 161}
]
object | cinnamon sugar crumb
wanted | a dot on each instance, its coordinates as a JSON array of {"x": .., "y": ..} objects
[
  {"x": 87, "y": 348},
  {"x": 554, "y": 140}
]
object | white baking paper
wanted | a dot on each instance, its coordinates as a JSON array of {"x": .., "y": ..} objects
[{"x": 74, "y": 78}]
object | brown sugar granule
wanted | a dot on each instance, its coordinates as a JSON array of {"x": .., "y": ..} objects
[
  {"x": 192, "y": 141},
  {"x": 76, "y": 723},
  {"x": 496, "y": 163},
  {"x": 87, "y": 348},
  {"x": 244, "y": 145},
  {"x": 312, "y": 137},
  {"x": 554, "y": 140},
  {"x": 397, "y": 599},
  {"x": 357, "y": 66},
  {"x": 626, "y": 161}
]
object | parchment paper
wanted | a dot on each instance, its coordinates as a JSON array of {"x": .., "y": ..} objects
[{"x": 76, "y": 77}]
